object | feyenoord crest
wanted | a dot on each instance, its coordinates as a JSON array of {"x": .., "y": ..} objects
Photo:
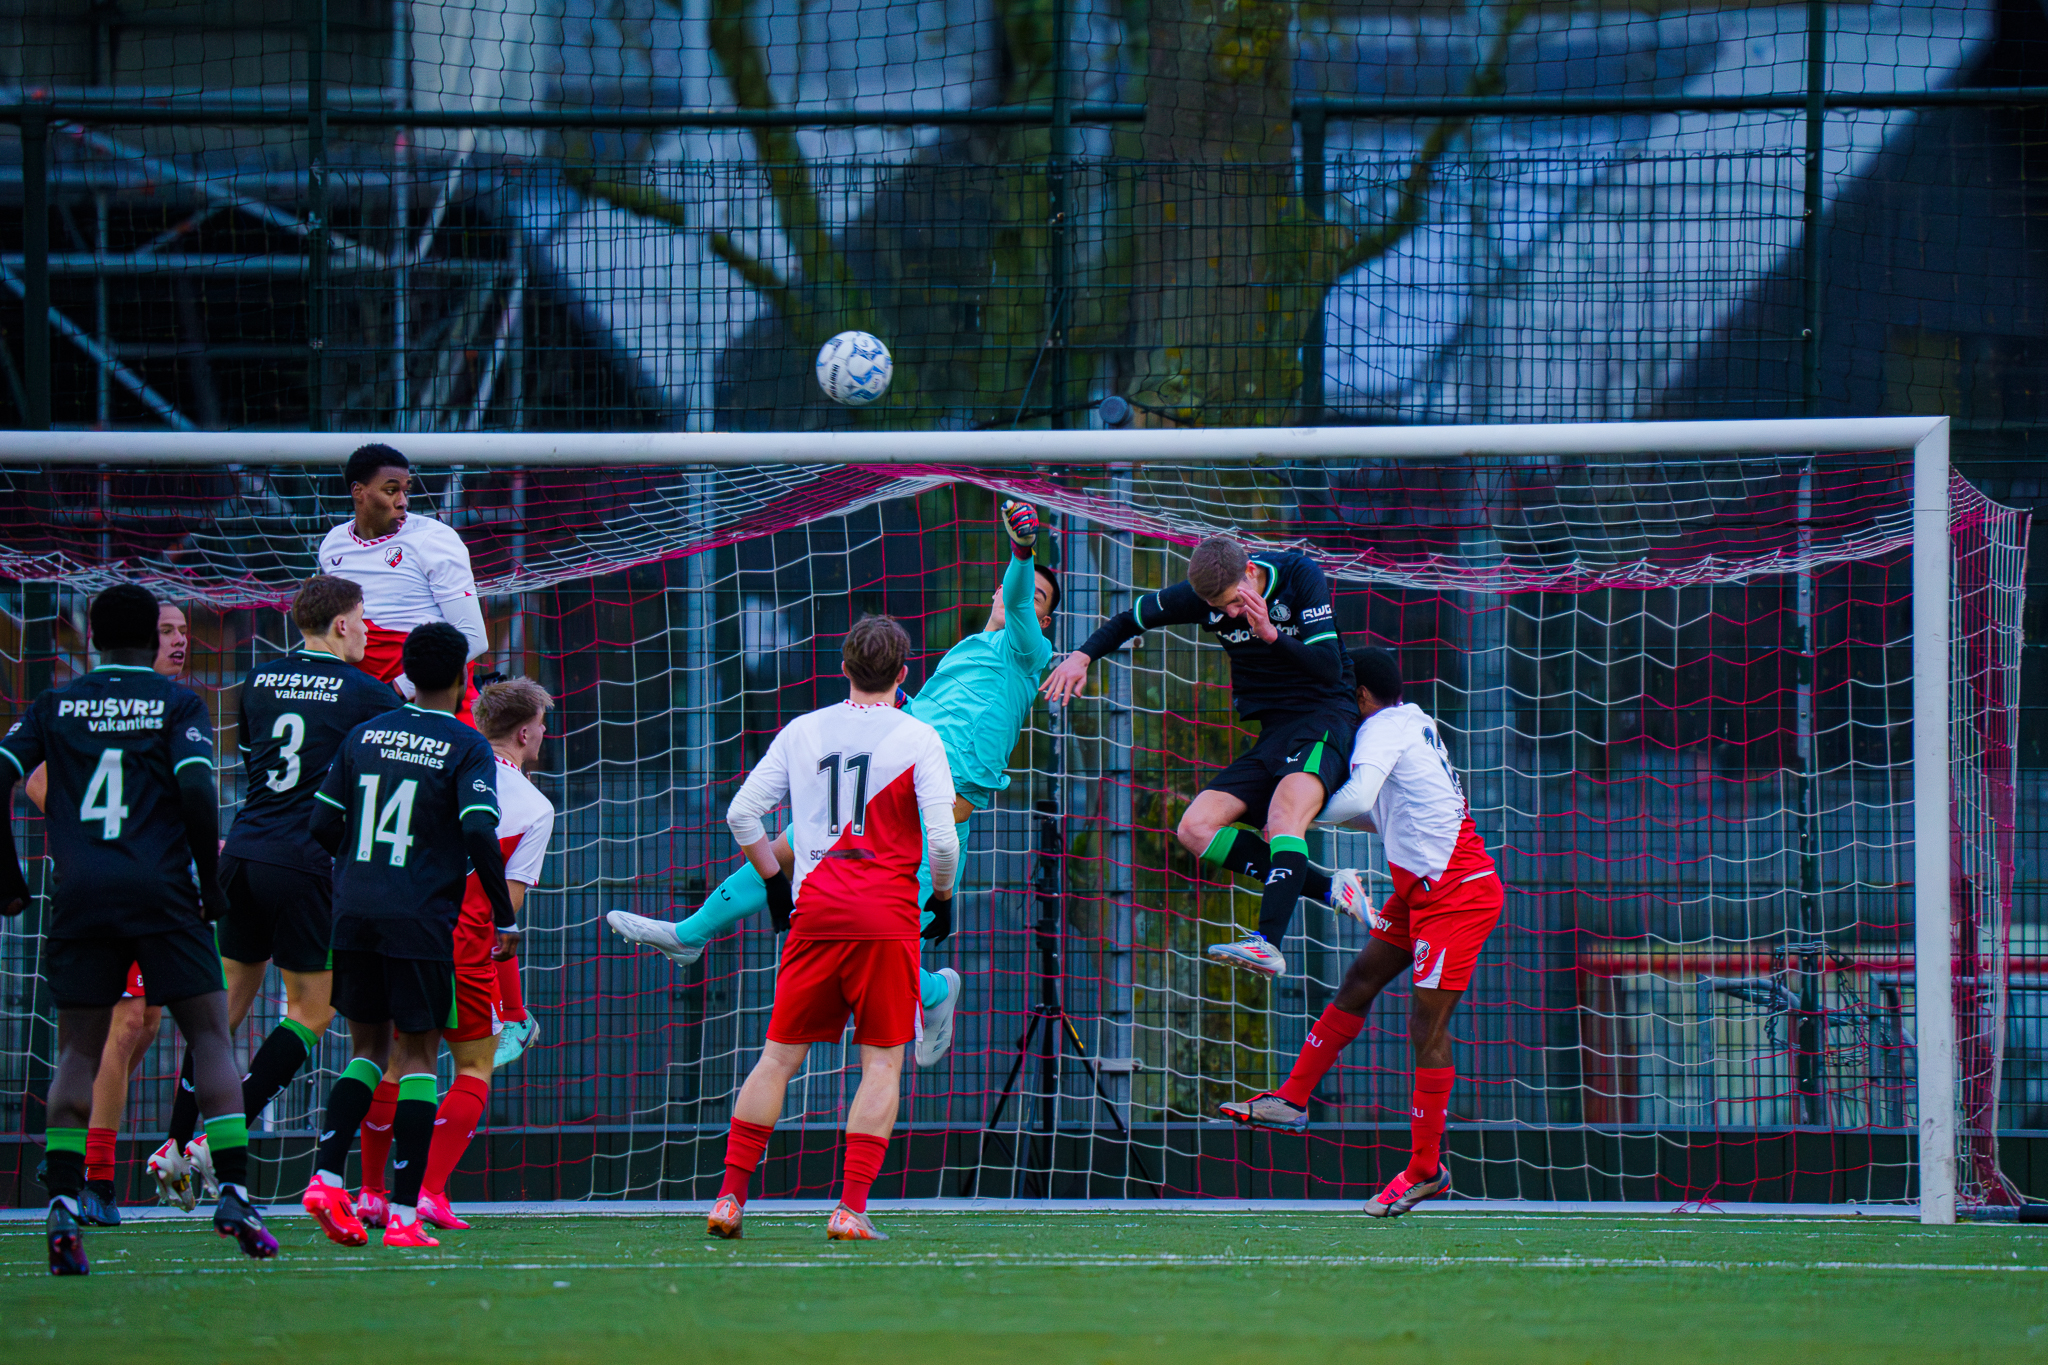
[{"x": 1281, "y": 611}]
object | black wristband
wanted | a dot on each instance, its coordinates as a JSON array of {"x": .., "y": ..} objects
[{"x": 781, "y": 903}]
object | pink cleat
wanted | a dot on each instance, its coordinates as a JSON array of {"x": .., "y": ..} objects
[
  {"x": 413, "y": 1234},
  {"x": 1403, "y": 1194},
  {"x": 374, "y": 1206},
  {"x": 435, "y": 1213},
  {"x": 335, "y": 1213}
]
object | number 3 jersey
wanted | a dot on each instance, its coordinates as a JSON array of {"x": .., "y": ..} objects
[
  {"x": 403, "y": 783},
  {"x": 114, "y": 741},
  {"x": 295, "y": 713},
  {"x": 858, "y": 779}
]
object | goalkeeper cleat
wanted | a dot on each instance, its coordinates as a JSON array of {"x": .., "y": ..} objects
[
  {"x": 435, "y": 1212},
  {"x": 514, "y": 1039},
  {"x": 657, "y": 934},
  {"x": 235, "y": 1218},
  {"x": 727, "y": 1216},
  {"x": 1266, "y": 1110},
  {"x": 373, "y": 1207},
  {"x": 847, "y": 1226},
  {"x": 1020, "y": 521},
  {"x": 172, "y": 1173},
  {"x": 96, "y": 1206},
  {"x": 938, "y": 1023},
  {"x": 413, "y": 1234},
  {"x": 67, "y": 1242},
  {"x": 1347, "y": 894},
  {"x": 201, "y": 1158},
  {"x": 1250, "y": 954},
  {"x": 335, "y": 1213},
  {"x": 1403, "y": 1194}
]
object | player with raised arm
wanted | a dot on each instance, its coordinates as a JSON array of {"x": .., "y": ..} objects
[
  {"x": 131, "y": 816},
  {"x": 136, "y": 1021},
  {"x": 978, "y": 699},
  {"x": 869, "y": 795},
  {"x": 513, "y": 716},
  {"x": 409, "y": 808},
  {"x": 1447, "y": 898},
  {"x": 295, "y": 710},
  {"x": 1288, "y": 671}
]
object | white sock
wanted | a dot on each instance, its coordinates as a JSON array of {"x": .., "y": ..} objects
[
  {"x": 330, "y": 1180},
  {"x": 69, "y": 1202},
  {"x": 404, "y": 1213}
]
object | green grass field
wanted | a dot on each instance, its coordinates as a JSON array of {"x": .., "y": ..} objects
[{"x": 1047, "y": 1288}]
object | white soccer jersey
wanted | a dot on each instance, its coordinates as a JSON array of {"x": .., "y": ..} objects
[
  {"x": 418, "y": 573},
  {"x": 1403, "y": 788},
  {"x": 866, "y": 786},
  {"x": 526, "y": 819}
]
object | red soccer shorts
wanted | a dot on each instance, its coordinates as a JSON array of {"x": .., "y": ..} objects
[
  {"x": 1448, "y": 931},
  {"x": 384, "y": 660},
  {"x": 134, "y": 990},
  {"x": 476, "y": 1003},
  {"x": 825, "y": 980}
]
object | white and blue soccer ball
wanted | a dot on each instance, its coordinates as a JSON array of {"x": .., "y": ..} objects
[{"x": 855, "y": 368}]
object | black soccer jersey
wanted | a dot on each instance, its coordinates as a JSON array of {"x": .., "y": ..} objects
[
  {"x": 1305, "y": 670},
  {"x": 403, "y": 783},
  {"x": 114, "y": 741},
  {"x": 295, "y": 713}
]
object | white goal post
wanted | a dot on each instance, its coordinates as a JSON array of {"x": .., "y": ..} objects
[{"x": 1926, "y": 437}]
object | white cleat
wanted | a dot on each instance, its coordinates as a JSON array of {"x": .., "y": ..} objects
[
  {"x": 938, "y": 1023},
  {"x": 1250, "y": 954},
  {"x": 201, "y": 1158},
  {"x": 657, "y": 934},
  {"x": 173, "y": 1176},
  {"x": 1347, "y": 894}
]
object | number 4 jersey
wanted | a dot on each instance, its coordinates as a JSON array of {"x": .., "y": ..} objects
[
  {"x": 403, "y": 783},
  {"x": 295, "y": 713},
  {"x": 114, "y": 741}
]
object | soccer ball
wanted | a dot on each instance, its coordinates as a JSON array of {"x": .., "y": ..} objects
[{"x": 854, "y": 368}]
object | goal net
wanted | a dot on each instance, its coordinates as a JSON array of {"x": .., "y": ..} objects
[{"x": 1680, "y": 686}]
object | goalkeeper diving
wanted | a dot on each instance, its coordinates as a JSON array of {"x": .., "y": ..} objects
[{"x": 978, "y": 700}]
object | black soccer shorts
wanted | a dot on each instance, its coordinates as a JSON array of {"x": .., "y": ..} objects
[
  {"x": 276, "y": 914},
  {"x": 1318, "y": 743},
  {"x": 379, "y": 978},
  {"x": 92, "y": 973}
]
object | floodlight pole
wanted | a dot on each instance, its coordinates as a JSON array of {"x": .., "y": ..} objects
[{"x": 1933, "y": 950}]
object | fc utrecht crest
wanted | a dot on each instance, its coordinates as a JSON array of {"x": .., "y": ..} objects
[{"x": 391, "y": 560}]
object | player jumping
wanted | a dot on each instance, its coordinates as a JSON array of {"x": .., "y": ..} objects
[
  {"x": 295, "y": 711},
  {"x": 409, "y": 808},
  {"x": 1447, "y": 898},
  {"x": 1289, "y": 672},
  {"x": 978, "y": 700},
  {"x": 132, "y": 816},
  {"x": 869, "y": 792}
]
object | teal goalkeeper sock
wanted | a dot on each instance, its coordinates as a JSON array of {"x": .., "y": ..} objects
[
  {"x": 740, "y": 895},
  {"x": 931, "y": 989}
]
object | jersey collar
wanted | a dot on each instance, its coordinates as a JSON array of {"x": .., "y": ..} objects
[
  {"x": 1272, "y": 577},
  {"x": 121, "y": 668},
  {"x": 351, "y": 524}
]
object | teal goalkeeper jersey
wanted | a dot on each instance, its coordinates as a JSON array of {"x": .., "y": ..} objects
[{"x": 983, "y": 689}]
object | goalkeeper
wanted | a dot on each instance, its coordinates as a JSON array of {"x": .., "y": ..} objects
[{"x": 977, "y": 699}]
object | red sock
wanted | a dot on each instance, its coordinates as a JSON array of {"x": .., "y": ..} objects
[
  {"x": 99, "y": 1153},
  {"x": 744, "y": 1143},
  {"x": 462, "y": 1108},
  {"x": 511, "y": 999},
  {"x": 864, "y": 1153},
  {"x": 377, "y": 1133},
  {"x": 1326, "y": 1038},
  {"x": 1426, "y": 1119}
]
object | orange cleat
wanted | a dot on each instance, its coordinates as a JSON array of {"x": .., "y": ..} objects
[
  {"x": 847, "y": 1226},
  {"x": 413, "y": 1234},
  {"x": 725, "y": 1218},
  {"x": 336, "y": 1214},
  {"x": 435, "y": 1213}
]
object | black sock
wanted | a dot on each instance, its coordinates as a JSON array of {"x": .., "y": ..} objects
[
  {"x": 184, "y": 1106},
  {"x": 1283, "y": 888},
  {"x": 63, "y": 1173},
  {"x": 347, "y": 1103},
  {"x": 1240, "y": 852},
  {"x": 231, "y": 1165},
  {"x": 272, "y": 1068},
  {"x": 412, "y": 1133}
]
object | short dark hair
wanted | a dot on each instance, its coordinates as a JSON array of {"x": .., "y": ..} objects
[
  {"x": 1216, "y": 566},
  {"x": 1379, "y": 673},
  {"x": 874, "y": 651},
  {"x": 503, "y": 706},
  {"x": 364, "y": 464},
  {"x": 124, "y": 617},
  {"x": 434, "y": 655},
  {"x": 320, "y": 599},
  {"x": 1052, "y": 581}
]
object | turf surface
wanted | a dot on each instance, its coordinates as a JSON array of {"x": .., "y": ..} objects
[{"x": 1048, "y": 1288}]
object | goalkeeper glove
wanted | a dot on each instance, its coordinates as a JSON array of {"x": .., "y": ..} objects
[
  {"x": 781, "y": 903},
  {"x": 941, "y": 927},
  {"x": 1020, "y": 519}
]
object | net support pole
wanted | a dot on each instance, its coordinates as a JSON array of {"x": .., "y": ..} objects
[{"x": 1933, "y": 949}]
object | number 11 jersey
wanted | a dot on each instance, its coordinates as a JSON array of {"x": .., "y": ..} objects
[{"x": 295, "y": 712}]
